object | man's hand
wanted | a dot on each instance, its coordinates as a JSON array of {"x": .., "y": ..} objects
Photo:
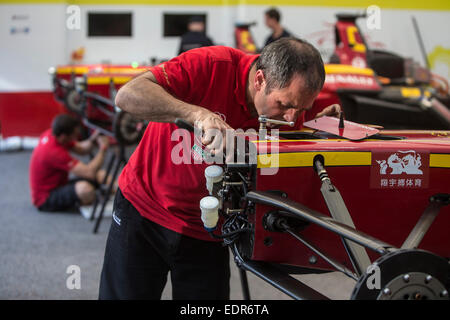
[
  {"x": 86, "y": 146},
  {"x": 95, "y": 134},
  {"x": 333, "y": 111},
  {"x": 213, "y": 130},
  {"x": 89, "y": 170},
  {"x": 103, "y": 142}
]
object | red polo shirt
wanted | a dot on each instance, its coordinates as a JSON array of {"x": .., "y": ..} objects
[
  {"x": 167, "y": 193},
  {"x": 49, "y": 167}
]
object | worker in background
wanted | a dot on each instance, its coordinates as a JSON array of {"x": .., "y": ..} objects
[
  {"x": 51, "y": 163},
  {"x": 272, "y": 20},
  {"x": 195, "y": 37}
]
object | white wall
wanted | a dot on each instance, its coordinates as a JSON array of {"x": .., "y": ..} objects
[
  {"x": 25, "y": 58},
  {"x": 396, "y": 33},
  {"x": 147, "y": 40}
]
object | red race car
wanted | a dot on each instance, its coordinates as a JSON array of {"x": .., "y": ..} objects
[
  {"x": 381, "y": 87},
  {"x": 338, "y": 196}
]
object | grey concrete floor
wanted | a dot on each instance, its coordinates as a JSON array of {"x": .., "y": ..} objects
[{"x": 36, "y": 249}]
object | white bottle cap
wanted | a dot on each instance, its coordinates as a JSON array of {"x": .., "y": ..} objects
[
  {"x": 209, "y": 203},
  {"x": 213, "y": 174}
]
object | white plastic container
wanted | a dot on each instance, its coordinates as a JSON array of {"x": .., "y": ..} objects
[
  {"x": 214, "y": 177},
  {"x": 209, "y": 207}
]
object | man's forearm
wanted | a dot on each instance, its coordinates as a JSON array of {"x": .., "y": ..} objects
[
  {"x": 83, "y": 147},
  {"x": 95, "y": 164},
  {"x": 146, "y": 99}
]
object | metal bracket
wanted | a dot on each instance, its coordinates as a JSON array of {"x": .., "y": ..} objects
[
  {"x": 420, "y": 229},
  {"x": 339, "y": 212},
  {"x": 277, "y": 278}
]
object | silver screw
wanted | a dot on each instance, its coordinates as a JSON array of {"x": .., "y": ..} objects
[
  {"x": 428, "y": 279},
  {"x": 386, "y": 291},
  {"x": 444, "y": 294},
  {"x": 406, "y": 278}
]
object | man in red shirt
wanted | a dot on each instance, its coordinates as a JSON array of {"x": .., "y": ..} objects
[
  {"x": 156, "y": 221},
  {"x": 51, "y": 164}
]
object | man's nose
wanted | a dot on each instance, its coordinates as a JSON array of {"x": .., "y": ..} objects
[{"x": 290, "y": 115}]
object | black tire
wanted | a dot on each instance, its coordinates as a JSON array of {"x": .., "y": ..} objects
[
  {"x": 73, "y": 101},
  {"x": 127, "y": 130}
]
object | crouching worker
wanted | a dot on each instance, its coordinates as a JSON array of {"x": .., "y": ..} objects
[{"x": 51, "y": 163}]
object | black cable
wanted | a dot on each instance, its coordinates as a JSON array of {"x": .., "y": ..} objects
[
  {"x": 229, "y": 234},
  {"x": 233, "y": 226}
]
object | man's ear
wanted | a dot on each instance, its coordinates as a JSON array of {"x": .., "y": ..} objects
[{"x": 260, "y": 80}]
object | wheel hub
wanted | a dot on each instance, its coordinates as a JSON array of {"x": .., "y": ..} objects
[
  {"x": 413, "y": 286},
  {"x": 405, "y": 274}
]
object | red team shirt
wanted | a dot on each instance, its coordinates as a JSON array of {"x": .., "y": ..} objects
[
  {"x": 167, "y": 193},
  {"x": 49, "y": 167}
]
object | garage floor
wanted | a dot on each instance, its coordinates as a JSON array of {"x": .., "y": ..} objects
[{"x": 37, "y": 248}]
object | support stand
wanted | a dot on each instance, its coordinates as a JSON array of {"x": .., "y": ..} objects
[
  {"x": 101, "y": 191},
  {"x": 244, "y": 284},
  {"x": 115, "y": 163},
  {"x": 275, "y": 277}
]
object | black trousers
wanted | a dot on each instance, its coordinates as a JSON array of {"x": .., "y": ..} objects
[
  {"x": 64, "y": 197},
  {"x": 140, "y": 253}
]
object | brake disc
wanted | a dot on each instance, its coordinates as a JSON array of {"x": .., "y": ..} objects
[
  {"x": 127, "y": 130},
  {"x": 405, "y": 275},
  {"x": 73, "y": 101}
]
